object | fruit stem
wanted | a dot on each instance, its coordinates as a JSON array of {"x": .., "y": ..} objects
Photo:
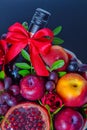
[
  {"x": 51, "y": 122},
  {"x": 40, "y": 102},
  {"x": 1, "y": 118},
  {"x": 85, "y": 106},
  {"x": 56, "y": 111}
]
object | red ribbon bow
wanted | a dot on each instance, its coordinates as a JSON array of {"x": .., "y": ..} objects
[
  {"x": 3, "y": 50},
  {"x": 19, "y": 37}
]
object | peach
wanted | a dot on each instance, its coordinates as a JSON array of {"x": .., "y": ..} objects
[
  {"x": 54, "y": 54},
  {"x": 72, "y": 88}
]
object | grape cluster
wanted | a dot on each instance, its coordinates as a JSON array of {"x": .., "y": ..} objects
[
  {"x": 52, "y": 81},
  {"x": 77, "y": 66},
  {"x": 73, "y": 66},
  {"x": 8, "y": 95}
]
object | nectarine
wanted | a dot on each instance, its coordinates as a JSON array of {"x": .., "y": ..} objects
[{"x": 72, "y": 88}]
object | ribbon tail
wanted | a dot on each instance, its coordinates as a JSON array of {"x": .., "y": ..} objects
[
  {"x": 4, "y": 45},
  {"x": 14, "y": 51},
  {"x": 37, "y": 62}
]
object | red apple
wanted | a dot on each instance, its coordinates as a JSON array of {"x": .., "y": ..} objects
[
  {"x": 32, "y": 87},
  {"x": 54, "y": 54},
  {"x": 72, "y": 88},
  {"x": 68, "y": 119}
]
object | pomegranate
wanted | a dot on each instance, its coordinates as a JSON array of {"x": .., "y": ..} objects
[
  {"x": 32, "y": 87},
  {"x": 26, "y": 116}
]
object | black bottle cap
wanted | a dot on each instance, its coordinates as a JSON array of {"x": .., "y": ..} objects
[{"x": 40, "y": 17}]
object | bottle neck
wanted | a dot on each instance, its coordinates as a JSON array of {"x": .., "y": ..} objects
[
  {"x": 33, "y": 28},
  {"x": 39, "y": 20}
]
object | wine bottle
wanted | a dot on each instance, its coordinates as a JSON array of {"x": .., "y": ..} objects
[{"x": 39, "y": 21}]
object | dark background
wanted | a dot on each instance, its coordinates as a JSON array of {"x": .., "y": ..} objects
[{"x": 71, "y": 14}]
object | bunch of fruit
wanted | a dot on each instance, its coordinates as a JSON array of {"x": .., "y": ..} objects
[{"x": 55, "y": 102}]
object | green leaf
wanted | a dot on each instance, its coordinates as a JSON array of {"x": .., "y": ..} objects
[
  {"x": 2, "y": 74},
  {"x": 40, "y": 102},
  {"x": 25, "y": 55},
  {"x": 57, "y": 41},
  {"x": 62, "y": 73},
  {"x": 48, "y": 68},
  {"x": 57, "y": 64},
  {"x": 24, "y": 72},
  {"x": 25, "y": 24},
  {"x": 85, "y": 105},
  {"x": 23, "y": 65},
  {"x": 57, "y": 30}
]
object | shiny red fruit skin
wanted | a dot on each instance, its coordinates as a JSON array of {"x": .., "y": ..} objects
[
  {"x": 68, "y": 119},
  {"x": 79, "y": 101},
  {"x": 56, "y": 53},
  {"x": 32, "y": 87}
]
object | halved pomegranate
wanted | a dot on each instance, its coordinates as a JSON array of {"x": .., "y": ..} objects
[{"x": 26, "y": 116}]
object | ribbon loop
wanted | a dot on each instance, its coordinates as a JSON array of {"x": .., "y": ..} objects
[{"x": 38, "y": 44}]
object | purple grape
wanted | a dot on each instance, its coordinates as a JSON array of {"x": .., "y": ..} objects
[
  {"x": 6, "y": 96},
  {"x": 20, "y": 98},
  {"x": 12, "y": 101},
  {"x": 73, "y": 66},
  {"x": 4, "y": 35},
  {"x": 2, "y": 101},
  {"x": 7, "y": 82},
  {"x": 3, "y": 109},
  {"x": 12, "y": 71},
  {"x": 53, "y": 76},
  {"x": 82, "y": 68},
  {"x": 15, "y": 89},
  {"x": 1, "y": 86},
  {"x": 50, "y": 85}
]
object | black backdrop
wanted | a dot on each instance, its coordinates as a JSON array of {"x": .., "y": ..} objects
[{"x": 71, "y": 14}]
